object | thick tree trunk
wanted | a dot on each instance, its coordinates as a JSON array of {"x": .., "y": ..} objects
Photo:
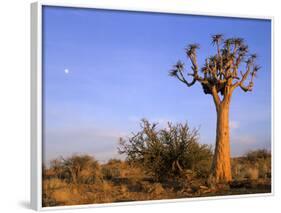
[{"x": 221, "y": 168}]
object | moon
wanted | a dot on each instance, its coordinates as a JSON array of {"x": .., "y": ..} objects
[{"x": 66, "y": 71}]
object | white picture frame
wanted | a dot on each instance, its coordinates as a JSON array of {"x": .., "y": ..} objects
[{"x": 36, "y": 101}]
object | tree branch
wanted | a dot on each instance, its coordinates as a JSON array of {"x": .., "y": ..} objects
[
  {"x": 182, "y": 79},
  {"x": 216, "y": 97},
  {"x": 247, "y": 88},
  {"x": 220, "y": 71},
  {"x": 245, "y": 76}
]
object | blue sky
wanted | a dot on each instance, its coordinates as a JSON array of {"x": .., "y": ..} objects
[{"x": 105, "y": 70}]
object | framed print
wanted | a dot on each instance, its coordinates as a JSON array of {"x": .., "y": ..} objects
[{"x": 138, "y": 106}]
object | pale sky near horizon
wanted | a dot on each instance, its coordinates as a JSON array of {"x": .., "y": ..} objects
[{"x": 105, "y": 70}]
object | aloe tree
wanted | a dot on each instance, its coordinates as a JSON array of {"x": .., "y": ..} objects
[{"x": 220, "y": 76}]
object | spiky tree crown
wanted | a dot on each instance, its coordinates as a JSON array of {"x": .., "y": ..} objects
[{"x": 220, "y": 71}]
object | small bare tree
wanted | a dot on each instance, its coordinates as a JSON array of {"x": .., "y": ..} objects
[{"x": 220, "y": 76}]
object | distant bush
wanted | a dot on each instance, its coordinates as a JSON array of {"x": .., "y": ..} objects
[
  {"x": 167, "y": 152},
  {"x": 112, "y": 169},
  {"x": 253, "y": 165},
  {"x": 252, "y": 173},
  {"x": 77, "y": 169},
  {"x": 260, "y": 154}
]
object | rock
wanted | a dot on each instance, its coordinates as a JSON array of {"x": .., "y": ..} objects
[
  {"x": 203, "y": 187},
  {"x": 207, "y": 191}
]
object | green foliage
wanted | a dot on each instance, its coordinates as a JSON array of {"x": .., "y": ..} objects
[{"x": 167, "y": 152}]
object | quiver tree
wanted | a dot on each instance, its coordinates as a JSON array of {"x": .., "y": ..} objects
[{"x": 219, "y": 77}]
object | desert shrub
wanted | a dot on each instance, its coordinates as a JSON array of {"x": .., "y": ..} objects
[
  {"x": 134, "y": 173},
  {"x": 156, "y": 189},
  {"x": 166, "y": 152},
  {"x": 113, "y": 161},
  {"x": 112, "y": 169},
  {"x": 264, "y": 168},
  {"x": 182, "y": 150},
  {"x": 261, "y": 159},
  {"x": 253, "y": 165},
  {"x": 236, "y": 169},
  {"x": 50, "y": 187},
  {"x": 198, "y": 159},
  {"x": 53, "y": 184},
  {"x": 145, "y": 149},
  {"x": 56, "y": 168},
  {"x": 109, "y": 172},
  {"x": 260, "y": 154},
  {"x": 77, "y": 169},
  {"x": 252, "y": 173},
  {"x": 202, "y": 169},
  {"x": 117, "y": 169}
]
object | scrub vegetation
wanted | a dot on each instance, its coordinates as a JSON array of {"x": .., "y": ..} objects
[{"x": 160, "y": 163}]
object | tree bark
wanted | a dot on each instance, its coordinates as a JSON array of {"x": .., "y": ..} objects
[{"x": 221, "y": 168}]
